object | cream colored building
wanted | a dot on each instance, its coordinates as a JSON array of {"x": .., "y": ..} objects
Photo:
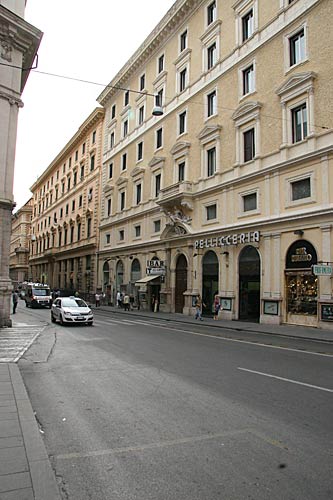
[
  {"x": 19, "y": 42},
  {"x": 230, "y": 191},
  {"x": 20, "y": 244},
  {"x": 66, "y": 212}
]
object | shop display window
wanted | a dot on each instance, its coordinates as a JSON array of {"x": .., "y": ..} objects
[{"x": 302, "y": 294}]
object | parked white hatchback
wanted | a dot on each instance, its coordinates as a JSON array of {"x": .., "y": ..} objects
[{"x": 71, "y": 310}]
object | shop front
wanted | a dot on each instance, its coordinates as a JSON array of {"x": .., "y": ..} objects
[{"x": 301, "y": 284}]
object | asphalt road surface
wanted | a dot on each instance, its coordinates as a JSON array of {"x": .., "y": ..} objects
[{"x": 138, "y": 409}]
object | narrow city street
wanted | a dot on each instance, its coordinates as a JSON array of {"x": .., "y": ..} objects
[{"x": 138, "y": 408}]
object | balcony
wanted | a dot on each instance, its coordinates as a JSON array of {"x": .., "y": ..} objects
[{"x": 179, "y": 194}]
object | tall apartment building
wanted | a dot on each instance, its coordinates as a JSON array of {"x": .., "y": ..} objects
[
  {"x": 230, "y": 191},
  {"x": 66, "y": 212},
  {"x": 19, "y": 42},
  {"x": 20, "y": 244}
]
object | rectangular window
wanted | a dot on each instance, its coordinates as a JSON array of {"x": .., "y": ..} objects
[
  {"x": 159, "y": 138},
  {"x": 76, "y": 155},
  {"x": 125, "y": 128},
  {"x": 249, "y": 146},
  {"x": 247, "y": 25},
  {"x": 67, "y": 209},
  {"x": 82, "y": 172},
  {"x": 73, "y": 205},
  {"x": 141, "y": 114},
  {"x": 122, "y": 201},
  {"x": 137, "y": 231},
  {"x": 68, "y": 183},
  {"x": 181, "y": 171},
  {"x": 121, "y": 235},
  {"x": 211, "y": 13},
  {"x": 182, "y": 122},
  {"x": 92, "y": 163},
  {"x": 65, "y": 236},
  {"x": 94, "y": 137},
  {"x": 157, "y": 226},
  {"x": 211, "y": 56},
  {"x": 113, "y": 111},
  {"x": 142, "y": 81},
  {"x": 249, "y": 202},
  {"x": 299, "y": 123},
  {"x": 61, "y": 213},
  {"x": 83, "y": 148},
  {"x": 88, "y": 227},
  {"x": 75, "y": 179},
  {"x": 248, "y": 80},
  {"x": 297, "y": 48},
  {"x": 108, "y": 210},
  {"x": 69, "y": 165},
  {"x": 90, "y": 194},
  {"x": 110, "y": 170},
  {"x": 80, "y": 200},
  {"x": 157, "y": 184},
  {"x": 301, "y": 189},
  {"x": 138, "y": 193},
  {"x": 211, "y": 104},
  {"x": 211, "y": 212},
  {"x": 140, "y": 151},
  {"x": 124, "y": 161},
  {"x": 126, "y": 98},
  {"x": 211, "y": 162},
  {"x": 111, "y": 140},
  {"x": 183, "y": 41},
  {"x": 72, "y": 234},
  {"x": 79, "y": 231},
  {"x": 107, "y": 239},
  {"x": 159, "y": 98},
  {"x": 161, "y": 63},
  {"x": 182, "y": 80}
]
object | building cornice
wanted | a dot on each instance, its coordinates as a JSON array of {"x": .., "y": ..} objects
[{"x": 169, "y": 23}]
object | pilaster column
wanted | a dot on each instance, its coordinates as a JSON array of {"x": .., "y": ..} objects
[{"x": 325, "y": 287}]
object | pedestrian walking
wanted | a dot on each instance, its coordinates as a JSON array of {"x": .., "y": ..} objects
[
  {"x": 198, "y": 308},
  {"x": 126, "y": 302},
  {"x": 131, "y": 299},
  {"x": 15, "y": 301},
  {"x": 97, "y": 299},
  {"x": 216, "y": 306}
]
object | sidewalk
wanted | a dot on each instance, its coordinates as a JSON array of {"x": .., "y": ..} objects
[
  {"x": 293, "y": 331},
  {"x": 25, "y": 470}
]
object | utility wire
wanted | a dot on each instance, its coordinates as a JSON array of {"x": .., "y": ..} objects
[{"x": 65, "y": 77}]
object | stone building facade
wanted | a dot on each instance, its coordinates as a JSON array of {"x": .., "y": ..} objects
[
  {"x": 19, "y": 42},
  {"x": 230, "y": 191},
  {"x": 20, "y": 244},
  {"x": 66, "y": 212}
]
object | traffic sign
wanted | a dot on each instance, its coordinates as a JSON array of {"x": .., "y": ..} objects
[{"x": 321, "y": 270}]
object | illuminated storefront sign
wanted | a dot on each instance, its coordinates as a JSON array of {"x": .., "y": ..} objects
[{"x": 230, "y": 239}]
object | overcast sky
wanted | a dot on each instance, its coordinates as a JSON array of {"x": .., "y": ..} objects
[{"x": 82, "y": 39}]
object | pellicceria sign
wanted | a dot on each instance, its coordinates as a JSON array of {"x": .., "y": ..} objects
[{"x": 230, "y": 239}]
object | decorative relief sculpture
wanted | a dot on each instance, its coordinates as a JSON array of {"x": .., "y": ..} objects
[{"x": 6, "y": 51}]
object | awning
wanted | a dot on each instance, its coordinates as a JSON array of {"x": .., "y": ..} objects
[{"x": 146, "y": 279}]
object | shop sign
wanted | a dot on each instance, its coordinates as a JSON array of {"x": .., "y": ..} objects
[
  {"x": 230, "y": 239},
  {"x": 327, "y": 312},
  {"x": 300, "y": 255},
  {"x": 320, "y": 270},
  {"x": 155, "y": 267}
]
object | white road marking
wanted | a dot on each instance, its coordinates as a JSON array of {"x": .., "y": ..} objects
[
  {"x": 286, "y": 380},
  {"x": 227, "y": 339},
  {"x": 15, "y": 341}
]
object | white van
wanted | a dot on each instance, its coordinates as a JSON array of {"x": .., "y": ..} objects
[{"x": 37, "y": 295}]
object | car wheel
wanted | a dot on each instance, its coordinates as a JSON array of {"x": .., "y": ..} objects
[
  {"x": 61, "y": 320},
  {"x": 53, "y": 318}
]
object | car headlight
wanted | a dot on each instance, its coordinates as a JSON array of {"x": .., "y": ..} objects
[{"x": 66, "y": 313}]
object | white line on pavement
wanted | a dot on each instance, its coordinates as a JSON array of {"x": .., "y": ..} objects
[
  {"x": 227, "y": 339},
  {"x": 286, "y": 380}
]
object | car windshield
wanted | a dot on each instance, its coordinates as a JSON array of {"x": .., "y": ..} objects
[
  {"x": 41, "y": 292},
  {"x": 73, "y": 303}
]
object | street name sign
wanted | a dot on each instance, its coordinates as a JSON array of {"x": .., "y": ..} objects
[{"x": 320, "y": 270}]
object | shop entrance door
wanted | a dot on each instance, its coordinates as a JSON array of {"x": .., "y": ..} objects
[
  {"x": 181, "y": 283},
  {"x": 210, "y": 282},
  {"x": 249, "y": 284}
]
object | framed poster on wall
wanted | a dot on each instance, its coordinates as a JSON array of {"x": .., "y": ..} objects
[
  {"x": 271, "y": 307},
  {"x": 326, "y": 312},
  {"x": 226, "y": 303}
]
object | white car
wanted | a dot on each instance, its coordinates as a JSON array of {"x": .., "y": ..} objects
[{"x": 71, "y": 310}]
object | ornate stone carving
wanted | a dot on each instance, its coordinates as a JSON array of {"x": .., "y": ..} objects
[{"x": 6, "y": 51}]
